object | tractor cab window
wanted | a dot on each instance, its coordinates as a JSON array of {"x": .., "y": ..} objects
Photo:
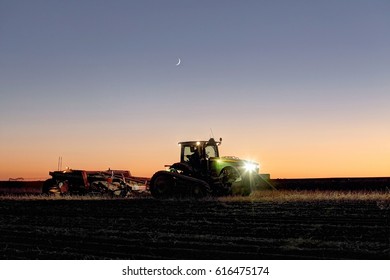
[
  {"x": 190, "y": 152},
  {"x": 211, "y": 151},
  {"x": 186, "y": 153}
]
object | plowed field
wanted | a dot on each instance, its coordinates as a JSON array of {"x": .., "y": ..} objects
[{"x": 185, "y": 229}]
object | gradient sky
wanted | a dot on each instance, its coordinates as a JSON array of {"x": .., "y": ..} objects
[{"x": 302, "y": 87}]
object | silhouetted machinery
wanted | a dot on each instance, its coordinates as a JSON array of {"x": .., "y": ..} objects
[
  {"x": 202, "y": 172},
  {"x": 110, "y": 182}
]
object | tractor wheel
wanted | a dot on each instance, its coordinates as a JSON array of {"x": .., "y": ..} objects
[
  {"x": 162, "y": 185},
  {"x": 228, "y": 176}
]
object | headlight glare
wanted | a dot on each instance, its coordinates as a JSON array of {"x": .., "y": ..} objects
[{"x": 250, "y": 167}]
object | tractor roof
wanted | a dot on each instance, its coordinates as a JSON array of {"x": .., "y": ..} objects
[{"x": 211, "y": 141}]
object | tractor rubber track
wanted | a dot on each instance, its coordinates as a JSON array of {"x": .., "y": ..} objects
[{"x": 185, "y": 186}]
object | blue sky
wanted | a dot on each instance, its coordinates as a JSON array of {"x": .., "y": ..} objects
[{"x": 250, "y": 69}]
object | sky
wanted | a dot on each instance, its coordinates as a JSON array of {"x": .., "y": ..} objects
[{"x": 302, "y": 87}]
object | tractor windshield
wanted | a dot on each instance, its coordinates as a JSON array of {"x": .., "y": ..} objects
[{"x": 188, "y": 151}]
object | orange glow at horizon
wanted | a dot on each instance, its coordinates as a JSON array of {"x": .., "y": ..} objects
[{"x": 282, "y": 154}]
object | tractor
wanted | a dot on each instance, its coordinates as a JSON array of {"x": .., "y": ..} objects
[{"x": 201, "y": 172}]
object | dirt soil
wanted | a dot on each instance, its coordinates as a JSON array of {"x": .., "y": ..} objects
[{"x": 185, "y": 229}]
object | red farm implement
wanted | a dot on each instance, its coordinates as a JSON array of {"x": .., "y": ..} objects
[{"x": 112, "y": 182}]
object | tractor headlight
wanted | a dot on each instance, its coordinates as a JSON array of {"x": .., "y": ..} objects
[{"x": 250, "y": 166}]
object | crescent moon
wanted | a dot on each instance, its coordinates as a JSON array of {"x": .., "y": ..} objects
[{"x": 178, "y": 63}]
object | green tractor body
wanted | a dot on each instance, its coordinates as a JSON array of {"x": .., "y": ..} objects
[{"x": 202, "y": 172}]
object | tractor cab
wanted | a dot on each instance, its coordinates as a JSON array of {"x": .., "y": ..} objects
[
  {"x": 195, "y": 157},
  {"x": 194, "y": 152}
]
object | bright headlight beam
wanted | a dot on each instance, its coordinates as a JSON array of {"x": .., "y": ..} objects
[{"x": 250, "y": 166}]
